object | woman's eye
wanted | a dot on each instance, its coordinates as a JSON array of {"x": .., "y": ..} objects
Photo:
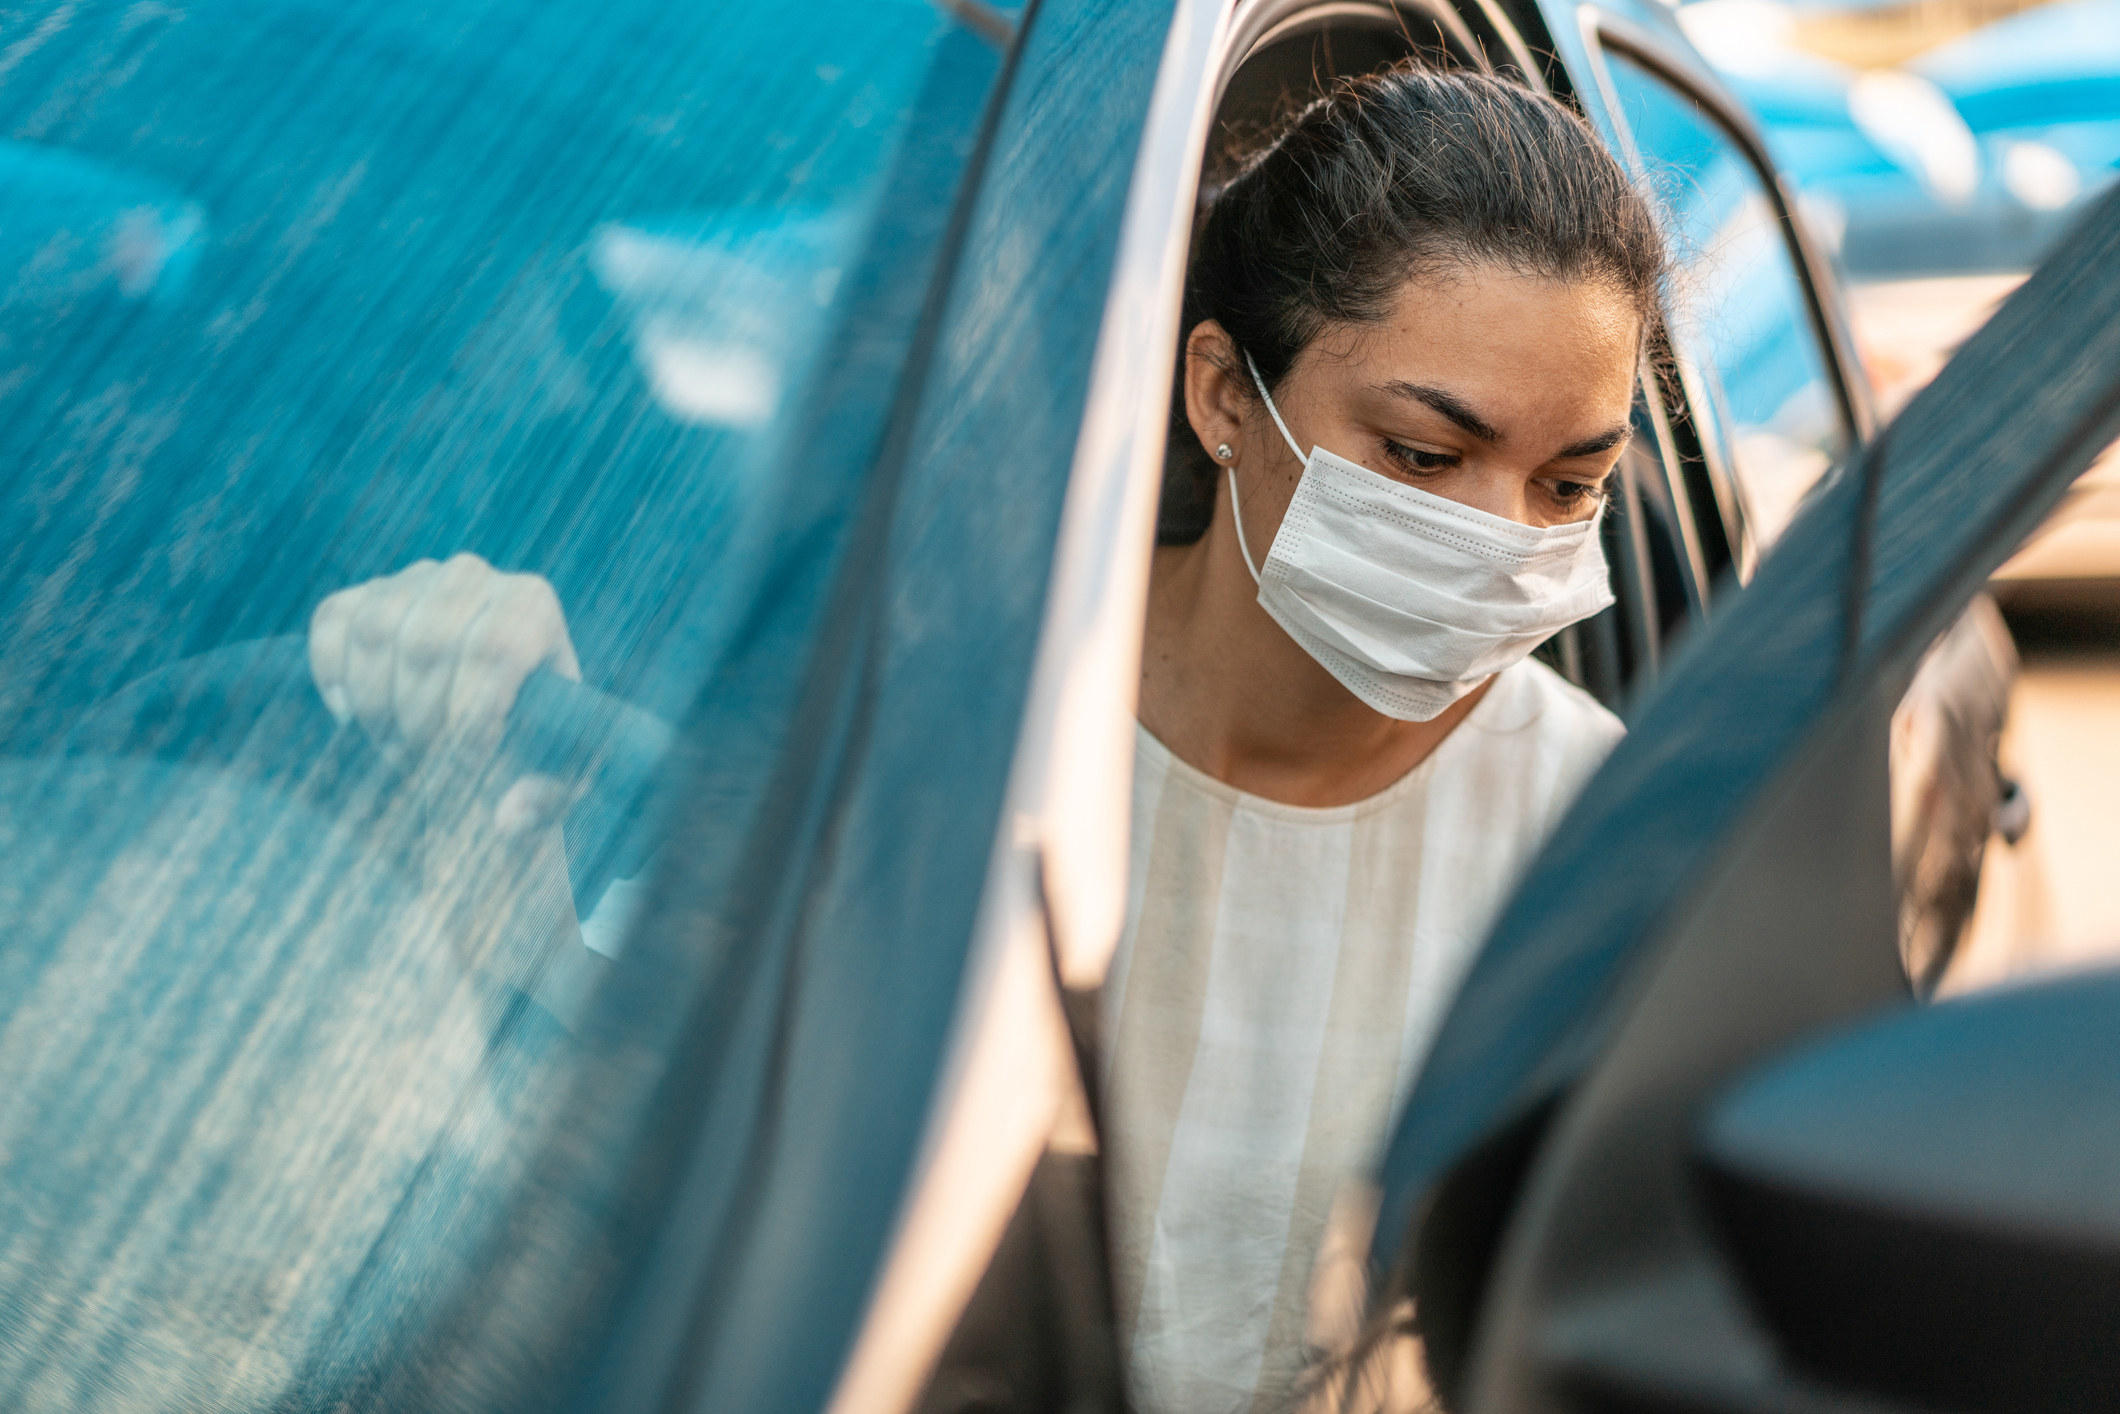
[
  {"x": 1417, "y": 459},
  {"x": 1579, "y": 492}
]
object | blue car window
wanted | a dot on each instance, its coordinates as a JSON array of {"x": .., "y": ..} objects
[
  {"x": 615, "y": 294},
  {"x": 1739, "y": 311}
]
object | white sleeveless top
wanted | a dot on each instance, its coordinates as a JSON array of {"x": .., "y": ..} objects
[{"x": 1282, "y": 973}]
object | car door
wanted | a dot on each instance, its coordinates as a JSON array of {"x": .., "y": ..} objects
[{"x": 1721, "y": 892}]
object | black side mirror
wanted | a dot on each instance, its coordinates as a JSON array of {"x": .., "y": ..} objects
[{"x": 1927, "y": 1208}]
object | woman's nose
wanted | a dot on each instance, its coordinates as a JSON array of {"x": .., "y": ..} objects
[{"x": 1505, "y": 493}]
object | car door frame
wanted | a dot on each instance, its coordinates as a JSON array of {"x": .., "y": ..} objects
[
  {"x": 1055, "y": 888},
  {"x": 1601, "y": 29}
]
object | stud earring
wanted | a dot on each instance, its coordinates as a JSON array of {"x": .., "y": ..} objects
[{"x": 1223, "y": 453}]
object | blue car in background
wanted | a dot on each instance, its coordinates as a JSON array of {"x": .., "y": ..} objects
[
  {"x": 2041, "y": 91},
  {"x": 1970, "y": 157},
  {"x": 820, "y": 359}
]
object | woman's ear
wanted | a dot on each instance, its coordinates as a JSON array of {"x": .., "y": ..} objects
[{"x": 1214, "y": 398}]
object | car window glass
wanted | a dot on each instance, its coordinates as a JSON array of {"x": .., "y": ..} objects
[
  {"x": 1739, "y": 312},
  {"x": 611, "y": 295}
]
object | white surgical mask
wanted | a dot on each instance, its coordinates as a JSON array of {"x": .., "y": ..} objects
[{"x": 1411, "y": 600}]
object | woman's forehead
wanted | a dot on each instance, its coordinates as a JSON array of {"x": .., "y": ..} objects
[{"x": 1493, "y": 338}]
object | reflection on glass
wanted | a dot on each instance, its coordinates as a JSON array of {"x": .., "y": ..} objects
[
  {"x": 1952, "y": 805},
  {"x": 295, "y": 295},
  {"x": 1739, "y": 315}
]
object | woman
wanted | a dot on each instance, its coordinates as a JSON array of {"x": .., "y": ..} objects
[
  {"x": 1412, "y": 329},
  {"x": 1413, "y": 324}
]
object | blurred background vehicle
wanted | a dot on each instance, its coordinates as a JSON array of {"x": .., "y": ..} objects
[{"x": 1929, "y": 137}]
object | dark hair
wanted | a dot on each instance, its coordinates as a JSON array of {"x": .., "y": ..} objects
[{"x": 1388, "y": 176}]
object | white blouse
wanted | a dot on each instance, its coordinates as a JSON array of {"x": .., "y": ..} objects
[{"x": 1282, "y": 973}]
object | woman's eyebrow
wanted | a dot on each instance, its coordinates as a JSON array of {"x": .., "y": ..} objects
[
  {"x": 1446, "y": 404},
  {"x": 1604, "y": 441},
  {"x": 1454, "y": 408}
]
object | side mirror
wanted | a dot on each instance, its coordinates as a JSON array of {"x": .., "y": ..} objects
[{"x": 1927, "y": 1209}]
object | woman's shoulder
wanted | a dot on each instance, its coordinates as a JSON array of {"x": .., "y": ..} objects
[
  {"x": 1531, "y": 698},
  {"x": 1542, "y": 733}
]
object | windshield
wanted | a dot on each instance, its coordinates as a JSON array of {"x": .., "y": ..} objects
[
  {"x": 612, "y": 297},
  {"x": 300, "y": 292}
]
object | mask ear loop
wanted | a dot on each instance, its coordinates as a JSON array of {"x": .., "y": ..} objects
[
  {"x": 1260, "y": 384},
  {"x": 1235, "y": 511}
]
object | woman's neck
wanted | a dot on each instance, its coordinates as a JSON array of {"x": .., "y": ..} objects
[{"x": 1228, "y": 691}]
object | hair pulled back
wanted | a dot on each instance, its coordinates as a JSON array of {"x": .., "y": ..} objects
[{"x": 1388, "y": 177}]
